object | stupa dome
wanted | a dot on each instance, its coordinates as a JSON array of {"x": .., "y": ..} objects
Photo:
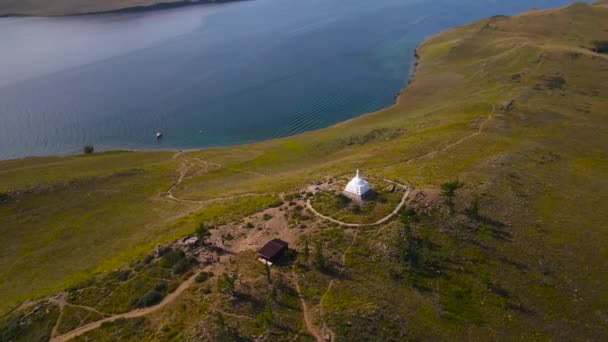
[{"x": 357, "y": 186}]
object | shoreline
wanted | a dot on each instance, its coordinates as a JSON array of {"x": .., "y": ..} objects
[
  {"x": 158, "y": 6},
  {"x": 411, "y": 76}
]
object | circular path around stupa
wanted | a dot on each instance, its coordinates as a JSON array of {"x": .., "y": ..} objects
[{"x": 407, "y": 190}]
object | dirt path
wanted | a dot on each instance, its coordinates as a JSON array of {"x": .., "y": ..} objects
[
  {"x": 450, "y": 145},
  {"x": 187, "y": 165},
  {"x": 331, "y": 284},
  {"x": 379, "y": 222},
  {"x": 131, "y": 314},
  {"x": 459, "y": 141},
  {"x": 312, "y": 329},
  {"x": 229, "y": 168}
]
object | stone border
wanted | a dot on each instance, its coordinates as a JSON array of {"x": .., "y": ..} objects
[{"x": 379, "y": 222}]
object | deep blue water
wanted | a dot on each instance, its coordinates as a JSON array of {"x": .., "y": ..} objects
[{"x": 238, "y": 72}]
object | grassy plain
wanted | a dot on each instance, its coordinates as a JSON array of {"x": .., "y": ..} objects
[{"x": 514, "y": 107}]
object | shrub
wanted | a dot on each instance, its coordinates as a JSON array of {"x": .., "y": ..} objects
[
  {"x": 249, "y": 225},
  {"x": 342, "y": 201},
  {"x": 202, "y": 231},
  {"x": 299, "y": 207},
  {"x": 123, "y": 275},
  {"x": 600, "y": 46},
  {"x": 225, "y": 283},
  {"x": 555, "y": 82},
  {"x": 228, "y": 236},
  {"x": 276, "y": 204},
  {"x": 181, "y": 266},
  {"x": 148, "y": 258},
  {"x": 381, "y": 198},
  {"x": 148, "y": 299},
  {"x": 172, "y": 257},
  {"x": 88, "y": 149},
  {"x": 203, "y": 276},
  {"x": 4, "y": 197},
  {"x": 160, "y": 286},
  {"x": 266, "y": 216}
]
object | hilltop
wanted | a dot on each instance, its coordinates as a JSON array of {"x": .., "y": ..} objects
[{"x": 514, "y": 108}]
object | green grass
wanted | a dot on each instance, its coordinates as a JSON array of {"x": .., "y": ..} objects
[
  {"x": 532, "y": 267},
  {"x": 74, "y": 317}
]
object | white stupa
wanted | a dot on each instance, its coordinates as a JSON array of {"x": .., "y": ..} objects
[{"x": 357, "y": 188}]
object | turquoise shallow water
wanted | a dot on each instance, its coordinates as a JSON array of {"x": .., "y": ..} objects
[{"x": 209, "y": 75}]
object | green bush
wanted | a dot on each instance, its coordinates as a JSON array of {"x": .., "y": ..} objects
[
  {"x": 123, "y": 275},
  {"x": 276, "y": 204},
  {"x": 181, "y": 266},
  {"x": 88, "y": 149},
  {"x": 225, "y": 283},
  {"x": 202, "y": 231},
  {"x": 148, "y": 299},
  {"x": 148, "y": 258},
  {"x": 160, "y": 286},
  {"x": 203, "y": 276},
  {"x": 228, "y": 236},
  {"x": 4, "y": 197},
  {"x": 342, "y": 201},
  {"x": 600, "y": 46},
  {"x": 172, "y": 257},
  {"x": 266, "y": 216}
]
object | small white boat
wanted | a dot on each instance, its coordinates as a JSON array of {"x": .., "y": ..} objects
[{"x": 159, "y": 135}]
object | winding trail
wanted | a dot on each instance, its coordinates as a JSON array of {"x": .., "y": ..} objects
[
  {"x": 331, "y": 284},
  {"x": 187, "y": 165},
  {"x": 379, "y": 222},
  {"x": 432, "y": 153},
  {"x": 312, "y": 329},
  {"x": 171, "y": 297}
]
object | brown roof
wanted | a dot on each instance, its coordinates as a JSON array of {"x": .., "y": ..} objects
[{"x": 273, "y": 249}]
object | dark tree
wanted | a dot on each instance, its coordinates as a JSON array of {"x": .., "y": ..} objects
[
  {"x": 266, "y": 318},
  {"x": 600, "y": 46},
  {"x": 88, "y": 149},
  {"x": 320, "y": 260},
  {"x": 448, "y": 191},
  {"x": 202, "y": 232},
  {"x": 306, "y": 252},
  {"x": 473, "y": 210},
  {"x": 225, "y": 284}
]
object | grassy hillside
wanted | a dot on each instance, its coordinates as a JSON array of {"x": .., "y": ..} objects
[{"x": 514, "y": 107}]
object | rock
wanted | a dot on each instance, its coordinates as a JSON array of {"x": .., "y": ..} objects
[
  {"x": 506, "y": 106},
  {"x": 327, "y": 337}
]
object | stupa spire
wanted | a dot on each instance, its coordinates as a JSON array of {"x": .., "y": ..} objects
[{"x": 357, "y": 187}]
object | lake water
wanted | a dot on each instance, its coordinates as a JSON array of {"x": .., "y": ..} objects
[{"x": 210, "y": 75}]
